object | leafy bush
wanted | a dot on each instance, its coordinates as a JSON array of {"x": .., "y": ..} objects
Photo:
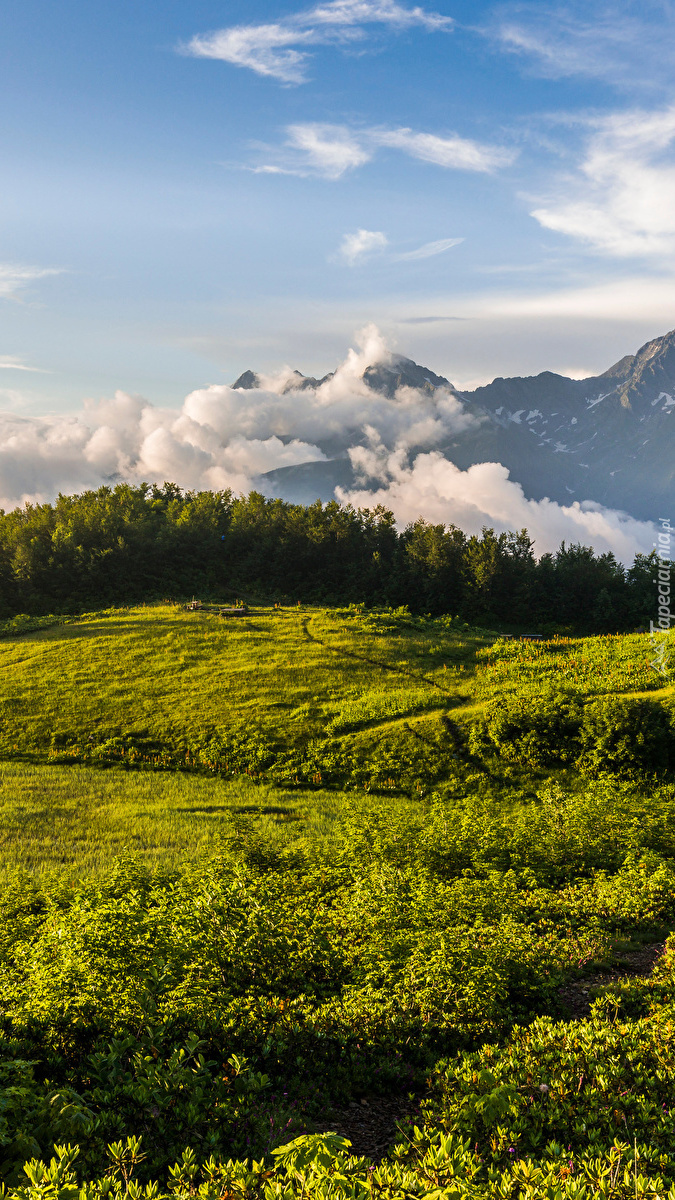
[
  {"x": 430, "y": 1165},
  {"x": 347, "y": 970},
  {"x": 23, "y": 623},
  {"x": 535, "y": 730},
  {"x": 33, "y": 1114},
  {"x": 623, "y": 736},
  {"x": 613, "y": 734}
]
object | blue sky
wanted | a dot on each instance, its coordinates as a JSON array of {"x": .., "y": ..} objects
[{"x": 193, "y": 189}]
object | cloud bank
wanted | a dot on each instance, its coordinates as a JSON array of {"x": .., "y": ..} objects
[
  {"x": 221, "y": 436},
  {"x": 484, "y": 494},
  {"x": 224, "y": 437}
]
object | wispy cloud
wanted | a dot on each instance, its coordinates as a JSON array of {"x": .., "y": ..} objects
[
  {"x": 430, "y": 249},
  {"x": 627, "y": 43},
  {"x": 328, "y": 150},
  {"x": 361, "y": 12},
  {"x": 272, "y": 49},
  {"x": 319, "y": 148},
  {"x": 622, "y": 200},
  {"x": 644, "y": 298},
  {"x": 426, "y": 320},
  {"x": 463, "y": 154},
  {"x": 14, "y": 276},
  {"x": 360, "y": 245},
  {"x": 8, "y": 362}
]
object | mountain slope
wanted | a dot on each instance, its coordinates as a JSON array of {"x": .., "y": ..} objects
[{"x": 608, "y": 439}]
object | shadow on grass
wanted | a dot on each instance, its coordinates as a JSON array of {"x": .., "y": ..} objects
[
  {"x": 206, "y": 808},
  {"x": 85, "y": 629},
  {"x": 264, "y": 810}
]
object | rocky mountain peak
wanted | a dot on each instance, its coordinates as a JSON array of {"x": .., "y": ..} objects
[
  {"x": 246, "y": 381},
  {"x": 385, "y": 378},
  {"x": 638, "y": 377}
]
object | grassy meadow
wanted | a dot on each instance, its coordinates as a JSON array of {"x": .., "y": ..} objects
[
  {"x": 171, "y": 676},
  {"x": 254, "y": 868},
  {"x": 77, "y": 819},
  {"x": 152, "y": 730}
]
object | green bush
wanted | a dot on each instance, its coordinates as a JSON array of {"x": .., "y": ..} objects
[
  {"x": 613, "y": 734},
  {"x": 33, "y": 1114},
  {"x": 534, "y": 730},
  {"x": 623, "y": 736}
]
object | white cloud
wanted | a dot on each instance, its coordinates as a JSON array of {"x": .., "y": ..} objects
[
  {"x": 220, "y": 437},
  {"x": 14, "y": 276},
  {"x": 259, "y": 47},
  {"x": 357, "y": 246},
  {"x": 330, "y": 150},
  {"x": 271, "y": 49},
  {"x": 8, "y": 362},
  {"x": 630, "y": 44},
  {"x": 429, "y": 250},
  {"x": 462, "y": 154},
  {"x": 320, "y": 148},
  {"x": 622, "y": 201},
  {"x": 485, "y": 495},
  {"x": 361, "y": 12}
]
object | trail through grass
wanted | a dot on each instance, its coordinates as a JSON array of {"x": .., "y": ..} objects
[
  {"x": 299, "y": 697},
  {"x": 178, "y": 677}
]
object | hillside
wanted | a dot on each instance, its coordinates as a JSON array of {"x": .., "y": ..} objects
[
  {"x": 281, "y": 693},
  {"x": 256, "y": 870}
]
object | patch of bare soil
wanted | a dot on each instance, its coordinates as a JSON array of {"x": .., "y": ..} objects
[
  {"x": 371, "y": 1125},
  {"x": 576, "y": 996}
]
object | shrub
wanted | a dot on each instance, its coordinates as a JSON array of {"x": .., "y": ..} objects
[
  {"x": 623, "y": 736},
  {"x": 534, "y": 730}
]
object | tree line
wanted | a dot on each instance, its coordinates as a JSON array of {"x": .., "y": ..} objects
[{"x": 124, "y": 544}]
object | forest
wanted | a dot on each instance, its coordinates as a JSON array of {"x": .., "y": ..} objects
[{"x": 122, "y": 544}]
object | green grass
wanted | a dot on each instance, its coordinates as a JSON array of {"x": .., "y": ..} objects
[
  {"x": 358, "y": 898},
  {"x": 602, "y": 665},
  {"x": 173, "y": 674},
  {"x": 302, "y": 696},
  {"x": 75, "y": 820},
  {"x": 168, "y": 680}
]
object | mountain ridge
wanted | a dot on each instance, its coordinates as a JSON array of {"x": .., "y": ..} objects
[{"x": 608, "y": 439}]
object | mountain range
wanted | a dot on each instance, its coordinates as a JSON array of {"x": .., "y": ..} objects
[{"x": 608, "y": 439}]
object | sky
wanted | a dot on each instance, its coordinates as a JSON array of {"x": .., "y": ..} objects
[{"x": 191, "y": 190}]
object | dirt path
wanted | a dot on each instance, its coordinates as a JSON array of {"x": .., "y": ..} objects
[
  {"x": 373, "y": 662},
  {"x": 576, "y": 998},
  {"x": 371, "y": 1125}
]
